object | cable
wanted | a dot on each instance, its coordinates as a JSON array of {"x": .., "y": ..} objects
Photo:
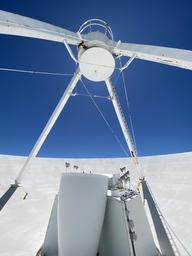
[
  {"x": 33, "y": 72},
  {"x": 136, "y": 163},
  {"x": 178, "y": 239},
  {"x": 105, "y": 120},
  {"x": 94, "y": 96},
  {"x": 117, "y": 78},
  {"x": 128, "y": 106},
  {"x": 168, "y": 225}
]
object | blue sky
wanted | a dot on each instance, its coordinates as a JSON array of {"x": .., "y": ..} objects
[{"x": 160, "y": 96}]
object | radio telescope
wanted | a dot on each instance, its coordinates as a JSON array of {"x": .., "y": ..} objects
[{"x": 95, "y": 59}]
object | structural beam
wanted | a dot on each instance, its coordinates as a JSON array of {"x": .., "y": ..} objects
[
  {"x": 165, "y": 55},
  {"x": 164, "y": 241},
  {"x": 7, "y": 195},
  {"x": 17, "y": 25},
  {"x": 121, "y": 118},
  {"x": 49, "y": 124}
]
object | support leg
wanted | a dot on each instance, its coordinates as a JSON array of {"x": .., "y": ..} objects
[
  {"x": 120, "y": 117},
  {"x": 49, "y": 124},
  {"x": 164, "y": 241},
  {"x": 122, "y": 123}
]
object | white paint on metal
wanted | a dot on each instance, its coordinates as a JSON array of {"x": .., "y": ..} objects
[
  {"x": 50, "y": 124},
  {"x": 163, "y": 237},
  {"x": 120, "y": 117},
  {"x": 70, "y": 51},
  {"x": 13, "y": 24},
  {"x": 176, "y": 189},
  {"x": 130, "y": 60},
  {"x": 97, "y": 25},
  {"x": 169, "y": 56},
  {"x": 81, "y": 209},
  {"x": 144, "y": 243},
  {"x": 50, "y": 244},
  {"x": 96, "y": 64},
  {"x": 115, "y": 239}
]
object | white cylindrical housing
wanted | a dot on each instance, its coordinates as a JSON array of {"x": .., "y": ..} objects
[
  {"x": 81, "y": 209},
  {"x": 96, "y": 63}
]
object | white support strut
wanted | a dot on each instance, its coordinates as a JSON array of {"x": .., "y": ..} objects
[
  {"x": 121, "y": 119},
  {"x": 49, "y": 124},
  {"x": 131, "y": 59},
  {"x": 70, "y": 51}
]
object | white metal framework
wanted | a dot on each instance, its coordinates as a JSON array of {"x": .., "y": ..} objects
[
  {"x": 120, "y": 117},
  {"x": 97, "y": 24},
  {"x": 50, "y": 124},
  {"x": 97, "y": 52},
  {"x": 57, "y": 112},
  {"x": 96, "y": 60}
]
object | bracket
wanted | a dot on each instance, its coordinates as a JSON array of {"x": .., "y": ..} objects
[
  {"x": 130, "y": 60},
  {"x": 70, "y": 51}
]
